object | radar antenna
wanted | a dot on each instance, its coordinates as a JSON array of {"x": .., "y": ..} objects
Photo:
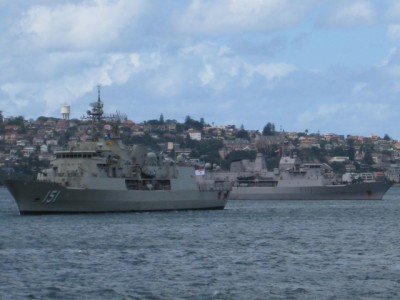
[
  {"x": 97, "y": 108},
  {"x": 96, "y": 115}
]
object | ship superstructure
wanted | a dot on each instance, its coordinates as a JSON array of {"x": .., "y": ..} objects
[
  {"x": 294, "y": 180},
  {"x": 102, "y": 174}
]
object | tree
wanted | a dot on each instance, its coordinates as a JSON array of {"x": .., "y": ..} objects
[
  {"x": 206, "y": 148},
  {"x": 368, "y": 149},
  {"x": 387, "y": 137},
  {"x": 153, "y": 122},
  {"x": 17, "y": 121},
  {"x": 242, "y": 133},
  {"x": 42, "y": 119},
  {"x": 269, "y": 129},
  {"x": 237, "y": 156},
  {"x": 368, "y": 158},
  {"x": 190, "y": 123},
  {"x": 351, "y": 151},
  {"x": 338, "y": 168}
]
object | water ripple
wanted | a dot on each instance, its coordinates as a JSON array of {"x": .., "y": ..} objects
[{"x": 250, "y": 250}]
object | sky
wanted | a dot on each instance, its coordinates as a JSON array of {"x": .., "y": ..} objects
[{"x": 321, "y": 66}]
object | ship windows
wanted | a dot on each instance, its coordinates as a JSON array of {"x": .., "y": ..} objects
[
  {"x": 75, "y": 155},
  {"x": 312, "y": 166},
  {"x": 147, "y": 185}
]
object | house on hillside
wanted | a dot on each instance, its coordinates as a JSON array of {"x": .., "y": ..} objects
[
  {"x": 339, "y": 159},
  {"x": 238, "y": 145},
  {"x": 194, "y": 134}
]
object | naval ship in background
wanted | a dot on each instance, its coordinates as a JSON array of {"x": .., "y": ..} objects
[
  {"x": 104, "y": 175},
  {"x": 294, "y": 180}
]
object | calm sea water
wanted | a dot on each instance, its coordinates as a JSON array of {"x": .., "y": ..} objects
[{"x": 250, "y": 250}]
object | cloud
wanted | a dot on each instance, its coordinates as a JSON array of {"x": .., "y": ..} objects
[
  {"x": 354, "y": 116},
  {"x": 274, "y": 70},
  {"x": 206, "y": 75},
  {"x": 350, "y": 13},
  {"x": 389, "y": 71},
  {"x": 323, "y": 113},
  {"x": 233, "y": 16},
  {"x": 69, "y": 86},
  {"x": 360, "y": 87},
  {"x": 186, "y": 81},
  {"x": 389, "y": 58},
  {"x": 393, "y": 14},
  {"x": 230, "y": 61},
  {"x": 394, "y": 10},
  {"x": 95, "y": 23},
  {"x": 393, "y": 31}
]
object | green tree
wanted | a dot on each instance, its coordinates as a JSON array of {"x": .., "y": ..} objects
[
  {"x": 42, "y": 119},
  {"x": 387, "y": 137},
  {"x": 190, "y": 123},
  {"x": 269, "y": 129},
  {"x": 338, "y": 151},
  {"x": 242, "y": 133},
  {"x": 338, "y": 167},
  {"x": 350, "y": 151},
  {"x": 368, "y": 160},
  {"x": 19, "y": 121},
  {"x": 368, "y": 149},
  {"x": 237, "y": 156},
  {"x": 153, "y": 122},
  {"x": 209, "y": 149}
]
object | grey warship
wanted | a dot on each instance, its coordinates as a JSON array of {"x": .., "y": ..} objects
[
  {"x": 104, "y": 175},
  {"x": 294, "y": 180}
]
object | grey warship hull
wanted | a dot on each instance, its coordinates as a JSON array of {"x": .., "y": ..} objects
[
  {"x": 35, "y": 197},
  {"x": 357, "y": 191}
]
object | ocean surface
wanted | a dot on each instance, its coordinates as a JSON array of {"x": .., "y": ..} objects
[{"x": 250, "y": 250}]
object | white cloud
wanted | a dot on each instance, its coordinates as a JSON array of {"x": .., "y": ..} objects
[
  {"x": 68, "y": 47},
  {"x": 394, "y": 32},
  {"x": 147, "y": 61},
  {"x": 120, "y": 68},
  {"x": 360, "y": 87},
  {"x": 274, "y": 70},
  {"x": 11, "y": 89},
  {"x": 394, "y": 10},
  {"x": 351, "y": 13},
  {"x": 323, "y": 113},
  {"x": 374, "y": 111},
  {"x": 393, "y": 71},
  {"x": 330, "y": 110},
  {"x": 387, "y": 60},
  {"x": 135, "y": 60},
  {"x": 206, "y": 75},
  {"x": 353, "y": 116},
  {"x": 225, "y": 16},
  {"x": 167, "y": 82},
  {"x": 84, "y": 25},
  {"x": 115, "y": 69}
]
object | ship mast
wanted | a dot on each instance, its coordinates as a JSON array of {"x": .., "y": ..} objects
[{"x": 95, "y": 114}]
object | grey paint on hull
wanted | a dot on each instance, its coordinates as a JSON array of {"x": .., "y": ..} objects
[
  {"x": 359, "y": 191},
  {"x": 44, "y": 197}
]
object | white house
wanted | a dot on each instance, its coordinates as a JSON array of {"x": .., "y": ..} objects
[
  {"x": 339, "y": 159},
  {"x": 194, "y": 134}
]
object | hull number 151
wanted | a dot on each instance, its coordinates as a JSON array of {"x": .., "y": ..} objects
[{"x": 51, "y": 196}]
